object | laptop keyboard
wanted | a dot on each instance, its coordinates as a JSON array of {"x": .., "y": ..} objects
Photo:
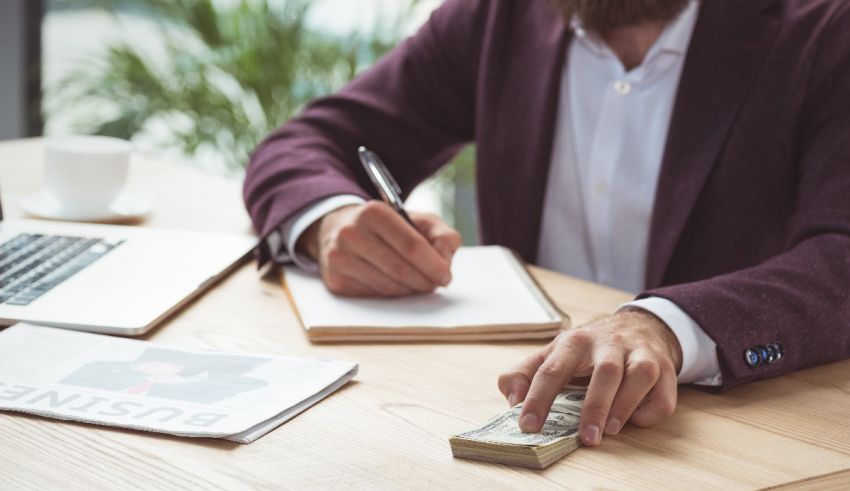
[{"x": 33, "y": 264}]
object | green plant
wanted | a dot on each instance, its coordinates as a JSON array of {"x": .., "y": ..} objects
[
  {"x": 222, "y": 75},
  {"x": 456, "y": 185},
  {"x": 228, "y": 73}
]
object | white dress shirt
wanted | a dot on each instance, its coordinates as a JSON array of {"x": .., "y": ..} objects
[{"x": 608, "y": 145}]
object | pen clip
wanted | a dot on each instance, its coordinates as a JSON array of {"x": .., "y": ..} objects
[
  {"x": 380, "y": 175},
  {"x": 385, "y": 171},
  {"x": 387, "y": 187}
]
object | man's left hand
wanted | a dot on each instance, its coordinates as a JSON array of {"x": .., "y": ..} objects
[{"x": 632, "y": 359}]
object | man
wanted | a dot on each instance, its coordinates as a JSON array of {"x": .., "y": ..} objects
[{"x": 697, "y": 152}]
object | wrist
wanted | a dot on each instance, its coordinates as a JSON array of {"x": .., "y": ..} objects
[{"x": 308, "y": 243}]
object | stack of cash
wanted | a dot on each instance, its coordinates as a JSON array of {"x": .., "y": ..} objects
[{"x": 501, "y": 441}]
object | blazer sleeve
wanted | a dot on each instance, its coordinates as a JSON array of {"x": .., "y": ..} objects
[
  {"x": 800, "y": 298},
  {"x": 414, "y": 107}
]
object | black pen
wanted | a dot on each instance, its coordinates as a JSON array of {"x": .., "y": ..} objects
[{"x": 388, "y": 188}]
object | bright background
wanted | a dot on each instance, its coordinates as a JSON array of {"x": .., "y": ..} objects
[{"x": 200, "y": 82}]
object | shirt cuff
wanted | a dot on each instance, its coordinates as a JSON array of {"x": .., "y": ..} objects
[
  {"x": 699, "y": 352},
  {"x": 282, "y": 241}
]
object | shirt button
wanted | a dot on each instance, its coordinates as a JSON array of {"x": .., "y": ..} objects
[
  {"x": 622, "y": 87},
  {"x": 601, "y": 188}
]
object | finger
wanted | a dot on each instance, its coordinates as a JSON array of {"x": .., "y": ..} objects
[
  {"x": 385, "y": 259},
  {"x": 604, "y": 382},
  {"x": 383, "y": 285},
  {"x": 408, "y": 243},
  {"x": 641, "y": 375},
  {"x": 362, "y": 245},
  {"x": 346, "y": 274},
  {"x": 549, "y": 380},
  {"x": 367, "y": 290},
  {"x": 660, "y": 403},
  {"x": 340, "y": 284},
  {"x": 443, "y": 237},
  {"x": 514, "y": 383}
]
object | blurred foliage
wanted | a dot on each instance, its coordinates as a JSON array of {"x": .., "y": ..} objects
[
  {"x": 456, "y": 184},
  {"x": 229, "y": 73}
]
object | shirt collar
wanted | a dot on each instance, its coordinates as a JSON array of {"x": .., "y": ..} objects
[
  {"x": 673, "y": 39},
  {"x": 677, "y": 33}
]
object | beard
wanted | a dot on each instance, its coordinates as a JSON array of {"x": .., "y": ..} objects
[{"x": 606, "y": 15}]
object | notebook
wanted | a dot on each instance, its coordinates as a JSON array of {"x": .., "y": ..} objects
[{"x": 491, "y": 297}]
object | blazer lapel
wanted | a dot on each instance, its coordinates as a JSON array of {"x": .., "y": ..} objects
[
  {"x": 729, "y": 40},
  {"x": 534, "y": 108}
]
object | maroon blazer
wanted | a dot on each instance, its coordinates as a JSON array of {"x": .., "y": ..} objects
[{"x": 750, "y": 233}]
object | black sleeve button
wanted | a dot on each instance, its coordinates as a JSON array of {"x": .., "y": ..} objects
[
  {"x": 764, "y": 353},
  {"x": 778, "y": 349},
  {"x": 772, "y": 354}
]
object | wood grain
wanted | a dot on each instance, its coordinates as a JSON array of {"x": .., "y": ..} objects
[
  {"x": 390, "y": 428},
  {"x": 837, "y": 481}
]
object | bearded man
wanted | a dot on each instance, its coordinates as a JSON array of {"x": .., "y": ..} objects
[{"x": 696, "y": 152}]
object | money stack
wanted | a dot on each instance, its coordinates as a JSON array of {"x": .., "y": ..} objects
[{"x": 501, "y": 441}]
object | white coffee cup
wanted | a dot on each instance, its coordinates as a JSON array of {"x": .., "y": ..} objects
[{"x": 86, "y": 173}]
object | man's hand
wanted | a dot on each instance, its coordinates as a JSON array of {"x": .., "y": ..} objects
[
  {"x": 369, "y": 250},
  {"x": 632, "y": 359}
]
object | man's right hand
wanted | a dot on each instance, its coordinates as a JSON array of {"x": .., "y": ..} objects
[{"x": 370, "y": 250}]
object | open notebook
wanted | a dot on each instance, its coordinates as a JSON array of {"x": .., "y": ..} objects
[{"x": 491, "y": 297}]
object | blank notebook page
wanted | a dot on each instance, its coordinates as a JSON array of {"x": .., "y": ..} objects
[{"x": 489, "y": 287}]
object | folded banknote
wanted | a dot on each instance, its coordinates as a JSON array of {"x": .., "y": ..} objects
[{"x": 501, "y": 441}]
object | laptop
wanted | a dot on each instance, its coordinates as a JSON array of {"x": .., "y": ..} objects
[{"x": 107, "y": 278}]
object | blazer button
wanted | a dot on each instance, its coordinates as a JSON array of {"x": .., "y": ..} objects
[
  {"x": 778, "y": 349},
  {"x": 772, "y": 354},
  {"x": 751, "y": 356},
  {"x": 764, "y": 354}
]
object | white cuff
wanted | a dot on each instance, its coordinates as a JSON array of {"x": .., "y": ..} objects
[
  {"x": 699, "y": 352},
  {"x": 289, "y": 231}
]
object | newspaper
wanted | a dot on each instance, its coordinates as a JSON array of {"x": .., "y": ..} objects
[{"x": 141, "y": 385}]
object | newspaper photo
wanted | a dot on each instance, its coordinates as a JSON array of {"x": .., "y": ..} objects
[{"x": 141, "y": 385}]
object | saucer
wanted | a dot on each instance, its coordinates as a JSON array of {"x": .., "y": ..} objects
[{"x": 127, "y": 207}]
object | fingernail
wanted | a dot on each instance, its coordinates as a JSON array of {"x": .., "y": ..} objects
[
  {"x": 446, "y": 279},
  {"x": 512, "y": 399},
  {"x": 528, "y": 423},
  {"x": 590, "y": 435},
  {"x": 613, "y": 426}
]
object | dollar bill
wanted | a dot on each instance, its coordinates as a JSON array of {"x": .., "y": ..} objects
[{"x": 500, "y": 439}]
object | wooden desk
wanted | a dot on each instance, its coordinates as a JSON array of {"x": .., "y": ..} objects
[{"x": 389, "y": 429}]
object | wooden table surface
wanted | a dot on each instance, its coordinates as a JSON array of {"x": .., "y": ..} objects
[{"x": 389, "y": 429}]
